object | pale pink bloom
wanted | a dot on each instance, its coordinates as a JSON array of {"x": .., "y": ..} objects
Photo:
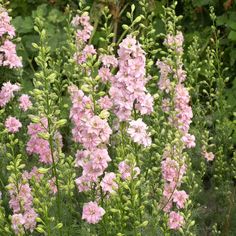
[
  {"x": 138, "y": 132},
  {"x": 125, "y": 170},
  {"x": 89, "y": 50},
  {"x": 33, "y": 174},
  {"x": 92, "y": 213},
  {"x": 176, "y": 220},
  {"x": 189, "y": 140},
  {"x": 17, "y": 223},
  {"x": 84, "y": 33},
  {"x": 165, "y": 105},
  {"x": 208, "y": 155},
  {"x": 7, "y": 92},
  {"x": 108, "y": 183},
  {"x": 25, "y": 102},
  {"x": 30, "y": 220},
  {"x": 105, "y": 103},
  {"x": 10, "y": 57},
  {"x": 83, "y": 183},
  {"x": 52, "y": 184},
  {"x": 171, "y": 170},
  {"x": 12, "y": 124},
  {"x": 175, "y": 41},
  {"x": 165, "y": 70},
  {"x": 5, "y": 25},
  {"x": 180, "y": 197},
  {"x": 145, "y": 104},
  {"x": 108, "y": 60},
  {"x": 105, "y": 74}
]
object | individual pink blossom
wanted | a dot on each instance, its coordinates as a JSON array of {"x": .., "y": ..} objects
[
  {"x": 165, "y": 105},
  {"x": 30, "y": 220},
  {"x": 33, "y": 174},
  {"x": 10, "y": 57},
  {"x": 7, "y": 92},
  {"x": 180, "y": 197},
  {"x": 17, "y": 223},
  {"x": 83, "y": 183},
  {"x": 25, "y": 102},
  {"x": 92, "y": 213},
  {"x": 108, "y": 183},
  {"x": 145, "y": 104},
  {"x": 176, "y": 220},
  {"x": 109, "y": 60},
  {"x": 208, "y": 155},
  {"x": 189, "y": 140},
  {"x": 12, "y": 124},
  {"x": 105, "y": 103},
  {"x": 52, "y": 184},
  {"x": 138, "y": 132},
  {"x": 125, "y": 170},
  {"x": 105, "y": 74}
]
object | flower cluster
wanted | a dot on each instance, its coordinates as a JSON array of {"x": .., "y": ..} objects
[
  {"x": 25, "y": 102},
  {"x": 138, "y": 132},
  {"x": 21, "y": 203},
  {"x": 83, "y": 33},
  {"x": 93, "y": 133},
  {"x": 108, "y": 62},
  {"x": 8, "y": 56},
  {"x": 7, "y": 92},
  {"x": 173, "y": 164},
  {"x": 128, "y": 85},
  {"x": 37, "y": 144}
]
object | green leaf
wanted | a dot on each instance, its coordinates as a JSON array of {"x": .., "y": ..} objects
[
  {"x": 232, "y": 35},
  {"x": 55, "y": 16},
  {"x": 232, "y": 24},
  {"x": 23, "y": 25}
]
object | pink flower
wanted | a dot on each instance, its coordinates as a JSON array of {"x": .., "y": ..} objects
[
  {"x": 83, "y": 183},
  {"x": 30, "y": 220},
  {"x": 125, "y": 170},
  {"x": 5, "y": 25},
  {"x": 105, "y": 74},
  {"x": 180, "y": 198},
  {"x": 82, "y": 35},
  {"x": 12, "y": 124},
  {"x": 92, "y": 213},
  {"x": 165, "y": 105},
  {"x": 108, "y": 183},
  {"x": 52, "y": 184},
  {"x": 105, "y": 103},
  {"x": 10, "y": 57},
  {"x": 208, "y": 155},
  {"x": 175, "y": 220},
  {"x": 189, "y": 140},
  {"x": 17, "y": 222},
  {"x": 138, "y": 132},
  {"x": 7, "y": 92},
  {"x": 109, "y": 60},
  {"x": 25, "y": 102}
]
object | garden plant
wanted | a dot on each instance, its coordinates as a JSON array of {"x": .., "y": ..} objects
[{"x": 117, "y": 118}]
